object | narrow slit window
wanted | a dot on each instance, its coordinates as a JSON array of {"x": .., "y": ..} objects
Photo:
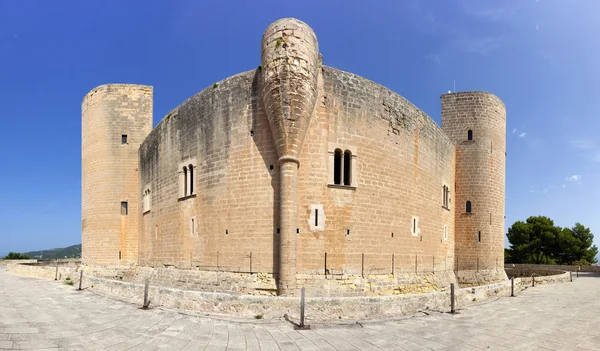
[
  {"x": 347, "y": 168},
  {"x": 185, "y": 181},
  {"x": 316, "y": 217},
  {"x": 445, "y": 196},
  {"x": 469, "y": 134},
  {"x": 479, "y": 237},
  {"x": 124, "y": 208},
  {"x": 192, "y": 227},
  {"x": 119, "y": 254},
  {"x": 468, "y": 207},
  {"x": 124, "y": 139},
  {"x": 445, "y": 232},
  {"x": 337, "y": 167},
  {"x": 414, "y": 226},
  {"x": 191, "y": 170}
]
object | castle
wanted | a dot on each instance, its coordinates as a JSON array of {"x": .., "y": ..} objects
[{"x": 298, "y": 171}]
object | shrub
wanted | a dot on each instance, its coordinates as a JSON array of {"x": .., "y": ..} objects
[
  {"x": 582, "y": 262},
  {"x": 16, "y": 256},
  {"x": 259, "y": 316}
]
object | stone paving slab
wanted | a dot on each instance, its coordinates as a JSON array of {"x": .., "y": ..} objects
[{"x": 41, "y": 314}]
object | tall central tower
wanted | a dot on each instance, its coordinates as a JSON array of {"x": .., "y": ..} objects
[{"x": 290, "y": 70}]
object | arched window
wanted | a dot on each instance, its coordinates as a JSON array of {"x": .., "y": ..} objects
[
  {"x": 347, "y": 168},
  {"x": 469, "y": 135},
  {"x": 191, "y": 175},
  {"x": 468, "y": 207},
  {"x": 337, "y": 167}
]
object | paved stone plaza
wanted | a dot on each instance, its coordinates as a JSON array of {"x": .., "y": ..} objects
[{"x": 43, "y": 314}]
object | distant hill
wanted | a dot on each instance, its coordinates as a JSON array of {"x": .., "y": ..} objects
[{"x": 70, "y": 252}]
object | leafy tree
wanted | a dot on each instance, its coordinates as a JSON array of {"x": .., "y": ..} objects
[
  {"x": 16, "y": 256},
  {"x": 539, "y": 241}
]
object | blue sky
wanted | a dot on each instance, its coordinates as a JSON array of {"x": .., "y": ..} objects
[{"x": 540, "y": 57}]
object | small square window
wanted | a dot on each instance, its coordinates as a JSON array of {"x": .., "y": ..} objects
[
  {"x": 124, "y": 139},
  {"x": 124, "y": 208}
]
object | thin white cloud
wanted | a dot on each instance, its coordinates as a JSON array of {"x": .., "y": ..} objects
[
  {"x": 522, "y": 135},
  {"x": 582, "y": 144},
  {"x": 483, "y": 46},
  {"x": 574, "y": 178},
  {"x": 481, "y": 10},
  {"x": 433, "y": 58},
  {"x": 514, "y": 130},
  {"x": 563, "y": 185}
]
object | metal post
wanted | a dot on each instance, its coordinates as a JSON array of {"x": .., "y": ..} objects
[
  {"x": 533, "y": 280},
  {"x": 363, "y": 265},
  {"x": 577, "y": 272},
  {"x": 477, "y": 263},
  {"x": 250, "y": 262},
  {"x": 80, "y": 279},
  {"x": 392, "y": 264},
  {"x": 146, "y": 301},
  {"x": 512, "y": 287},
  {"x": 452, "y": 298},
  {"x": 571, "y": 275},
  {"x": 325, "y": 264},
  {"x": 416, "y": 264},
  {"x": 56, "y": 273},
  {"x": 217, "y": 261},
  {"x": 302, "y": 326}
]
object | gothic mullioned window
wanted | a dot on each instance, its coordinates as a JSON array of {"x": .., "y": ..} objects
[
  {"x": 187, "y": 175},
  {"x": 342, "y": 166}
]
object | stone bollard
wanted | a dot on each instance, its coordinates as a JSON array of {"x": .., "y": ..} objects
[
  {"x": 302, "y": 326},
  {"x": 452, "y": 298},
  {"x": 146, "y": 300},
  {"x": 512, "y": 287},
  {"x": 80, "y": 279}
]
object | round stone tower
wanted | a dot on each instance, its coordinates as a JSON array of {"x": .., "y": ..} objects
[
  {"x": 289, "y": 73},
  {"x": 116, "y": 118},
  {"x": 476, "y": 123}
]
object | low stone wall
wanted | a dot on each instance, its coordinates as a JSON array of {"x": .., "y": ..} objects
[
  {"x": 32, "y": 269},
  {"x": 248, "y": 306},
  {"x": 317, "y": 308},
  {"x": 561, "y": 277},
  {"x": 554, "y": 267}
]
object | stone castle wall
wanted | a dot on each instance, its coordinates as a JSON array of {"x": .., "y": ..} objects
[
  {"x": 402, "y": 158},
  {"x": 110, "y": 170}
]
